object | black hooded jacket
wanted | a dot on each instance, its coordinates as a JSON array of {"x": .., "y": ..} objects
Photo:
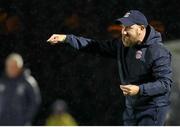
[{"x": 147, "y": 65}]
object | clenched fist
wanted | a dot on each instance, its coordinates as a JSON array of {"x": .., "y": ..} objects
[
  {"x": 55, "y": 38},
  {"x": 129, "y": 90}
]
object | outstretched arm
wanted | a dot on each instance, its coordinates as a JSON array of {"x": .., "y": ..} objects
[{"x": 85, "y": 44}]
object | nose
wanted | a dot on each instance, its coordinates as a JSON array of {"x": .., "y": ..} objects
[{"x": 124, "y": 32}]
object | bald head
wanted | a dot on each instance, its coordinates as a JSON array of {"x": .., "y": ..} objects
[{"x": 13, "y": 65}]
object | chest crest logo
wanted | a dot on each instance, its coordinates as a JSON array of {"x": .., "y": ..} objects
[{"x": 138, "y": 54}]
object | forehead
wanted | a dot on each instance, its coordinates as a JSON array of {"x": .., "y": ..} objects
[
  {"x": 11, "y": 61},
  {"x": 135, "y": 26}
]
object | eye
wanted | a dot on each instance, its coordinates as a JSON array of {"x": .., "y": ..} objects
[{"x": 128, "y": 28}]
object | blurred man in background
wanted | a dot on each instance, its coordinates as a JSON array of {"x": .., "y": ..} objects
[
  {"x": 19, "y": 93},
  {"x": 60, "y": 115}
]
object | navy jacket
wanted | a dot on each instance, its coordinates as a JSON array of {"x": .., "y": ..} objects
[
  {"x": 19, "y": 100},
  {"x": 147, "y": 65}
]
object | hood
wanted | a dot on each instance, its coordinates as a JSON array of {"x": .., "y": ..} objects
[{"x": 152, "y": 36}]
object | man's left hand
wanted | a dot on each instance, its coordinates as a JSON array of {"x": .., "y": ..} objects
[{"x": 129, "y": 90}]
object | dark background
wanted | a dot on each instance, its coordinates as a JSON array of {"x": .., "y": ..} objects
[{"x": 89, "y": 83}]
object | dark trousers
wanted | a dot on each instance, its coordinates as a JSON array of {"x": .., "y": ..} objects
[{"x": 150, "y": 116}]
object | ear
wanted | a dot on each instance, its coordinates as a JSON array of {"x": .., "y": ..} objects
[{"x": 142, "y": 27}]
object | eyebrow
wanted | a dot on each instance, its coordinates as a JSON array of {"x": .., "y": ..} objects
[{"x": 128, "y": 27}]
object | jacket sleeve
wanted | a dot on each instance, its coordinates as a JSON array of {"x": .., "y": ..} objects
[
  {"x": 92, "y": 46},
  {"x": 161, "y": 71},
  {"x": 33, "y": 98}
]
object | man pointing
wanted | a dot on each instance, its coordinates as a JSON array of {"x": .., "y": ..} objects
[{"x": 144, "y": 67}]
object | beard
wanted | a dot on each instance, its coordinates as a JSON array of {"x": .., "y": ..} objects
[{"x": 129, "y": 41}]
